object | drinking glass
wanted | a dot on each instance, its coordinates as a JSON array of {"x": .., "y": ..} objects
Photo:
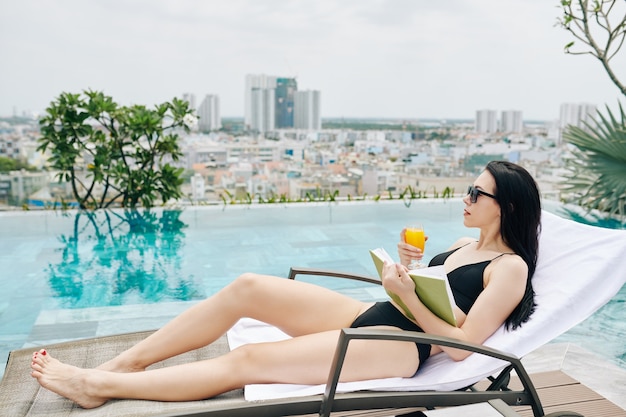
[{"x": 414, "y": 236}]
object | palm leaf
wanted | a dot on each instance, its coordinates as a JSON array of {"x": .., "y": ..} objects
[{"x": 597, "y": 163}]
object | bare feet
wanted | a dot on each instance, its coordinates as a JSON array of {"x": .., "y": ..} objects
[{"x": 68, "y": 381}]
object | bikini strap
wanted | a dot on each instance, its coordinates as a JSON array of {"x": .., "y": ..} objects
[{"x": 502, "y": 254}]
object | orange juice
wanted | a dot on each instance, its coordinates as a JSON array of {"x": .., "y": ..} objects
[{"x": 415, "y": 237}]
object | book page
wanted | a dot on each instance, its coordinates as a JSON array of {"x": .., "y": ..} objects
[{"x": 431, "y": 287}]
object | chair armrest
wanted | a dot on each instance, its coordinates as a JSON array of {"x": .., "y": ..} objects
[
  {"x": 293, "y": 271},
  {"x": 346, "y": 335}
]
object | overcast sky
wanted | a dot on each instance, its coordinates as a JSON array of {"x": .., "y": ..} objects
[{"x": 413, "y": 59}]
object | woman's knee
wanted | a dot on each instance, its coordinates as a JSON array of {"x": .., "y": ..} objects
[
  {"x": 246, "y": 277},
  {"x": 247, "y": 284},
  {"x": 247, "y": 363}
]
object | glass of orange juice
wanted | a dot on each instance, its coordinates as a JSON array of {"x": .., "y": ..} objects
[{"x": 414, "y": 236}]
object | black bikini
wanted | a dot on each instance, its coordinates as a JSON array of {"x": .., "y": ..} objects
[{"x": 466, "y": 283}]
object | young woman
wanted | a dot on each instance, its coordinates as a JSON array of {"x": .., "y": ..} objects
[{"x": 490, "y": 277}]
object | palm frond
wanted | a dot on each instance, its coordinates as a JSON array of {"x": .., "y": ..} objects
[{"x": 597, "y": 163}]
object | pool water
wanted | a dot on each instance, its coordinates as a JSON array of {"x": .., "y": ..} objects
[{"x": 75, "y": 260}]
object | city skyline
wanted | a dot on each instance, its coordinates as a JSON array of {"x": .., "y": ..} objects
[{"x": 368, "y": 58}]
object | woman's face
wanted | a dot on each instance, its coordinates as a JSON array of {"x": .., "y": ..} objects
[{"x": 485, "y": 210}]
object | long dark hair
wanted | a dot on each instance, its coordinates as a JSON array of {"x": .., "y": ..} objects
[{"x": 520, "y": 223}]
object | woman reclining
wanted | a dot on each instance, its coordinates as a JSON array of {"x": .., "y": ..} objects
[{"x": 490, "y": 278}]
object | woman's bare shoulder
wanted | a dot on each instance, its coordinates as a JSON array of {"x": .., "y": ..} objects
[
  {"x": 462, "y": 242},
  {"x": 510, "y": 266}
]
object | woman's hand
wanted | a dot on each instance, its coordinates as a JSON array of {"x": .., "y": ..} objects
[
  {"x": 407, "y": 252},
  {"x": 396, "y": 280}
]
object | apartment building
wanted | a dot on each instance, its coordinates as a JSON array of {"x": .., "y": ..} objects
[
  {"x": 209, "y": 114},
  {"x": 511, "y": 121},
  {"x": 273, "y": 102},
  {"x": 307, "y": 110},
  {"x": 486, "y": 121}
]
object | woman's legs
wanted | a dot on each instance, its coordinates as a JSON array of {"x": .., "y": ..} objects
[
  {"x": 295, "y": 307},
  {"x": 304, "y": 360}
]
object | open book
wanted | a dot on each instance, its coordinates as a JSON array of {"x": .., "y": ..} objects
[{"x": 431, "y": 286}]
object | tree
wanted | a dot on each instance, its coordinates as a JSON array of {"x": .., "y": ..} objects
[
  {"x": 600, "y": 25},
  {"x": 7, "y": 164},
  {"x": 114, "y": 154},
  {"x": 598, "y": 159},
  {"x": 10, "y": 164}
]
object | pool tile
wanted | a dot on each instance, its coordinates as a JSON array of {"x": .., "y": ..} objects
[{"x": 76, "y": 330}]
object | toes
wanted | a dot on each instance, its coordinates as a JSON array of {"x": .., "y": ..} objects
[
  {"x": 36, "y": 371},
  {"x": 36, "y": 365},
  {"x": 41, "y": 357}
]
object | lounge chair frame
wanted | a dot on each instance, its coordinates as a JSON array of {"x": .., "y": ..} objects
[
  {"x": 233, "y": 404},
  {"x": 498, "y": 389}
]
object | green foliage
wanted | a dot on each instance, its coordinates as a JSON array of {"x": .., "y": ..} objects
[
  {"x": 598, "y": 163},
  {"x": 360, "y": 124},
  {"x": 114, "y": 154},
  {"x": 10, "y": 164},
  {"x": 7, "y": 164},
  {"x": 407, "y": 195}
]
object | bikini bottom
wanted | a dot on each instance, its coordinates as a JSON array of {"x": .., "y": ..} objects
[{"x": 383, "y": 313}]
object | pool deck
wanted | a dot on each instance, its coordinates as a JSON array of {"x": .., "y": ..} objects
[{"x": 590, "y": 370}]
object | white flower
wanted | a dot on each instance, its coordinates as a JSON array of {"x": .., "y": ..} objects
[{"x": 190, "y": 121}]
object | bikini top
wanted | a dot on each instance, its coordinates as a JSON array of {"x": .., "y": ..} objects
[{"x": 466, "y": 281}]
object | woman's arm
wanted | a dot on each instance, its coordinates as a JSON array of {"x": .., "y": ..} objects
[{"x": 505, "y": 285}]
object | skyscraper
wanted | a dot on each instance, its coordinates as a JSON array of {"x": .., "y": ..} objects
[
  {"x": 285, "y": 89},
  {"x": 511, "y": 121},
  {"x": 209, "y": 114},
  {"x": 307, "y": 110},
  {"x": 270, "y": 103},
  {"x": 255, "y": 83},
  {"x": 576, "y": 114},
  {"x": 486, "y": 121},
  {"x": 262, "y": 117},
  {"x": 191, "y": 99}
]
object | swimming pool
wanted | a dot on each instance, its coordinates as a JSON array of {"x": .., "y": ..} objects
[{"x": 59, "y": 261}]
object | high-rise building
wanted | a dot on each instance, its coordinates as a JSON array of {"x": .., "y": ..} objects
[
  {"x": 270, "y": 103},
  {"x": 511, "y": 121},
  {"x": 576, "y": 114},
  {"x": 285, "y": 89},
  {"x": 486, "y": 121},
  {"x": 307, "y": 113},
  {"x": 191, "y": 99},
  {"x": 209, "y": 114},
  {"x": 262, "y": 117},
  {"x": 254, "y": 83}
]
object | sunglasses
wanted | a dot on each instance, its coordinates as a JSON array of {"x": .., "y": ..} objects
[{"x": 474, "y": 192}]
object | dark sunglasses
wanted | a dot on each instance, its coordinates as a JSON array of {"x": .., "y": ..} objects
[{"x": 473, "y": 193}]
